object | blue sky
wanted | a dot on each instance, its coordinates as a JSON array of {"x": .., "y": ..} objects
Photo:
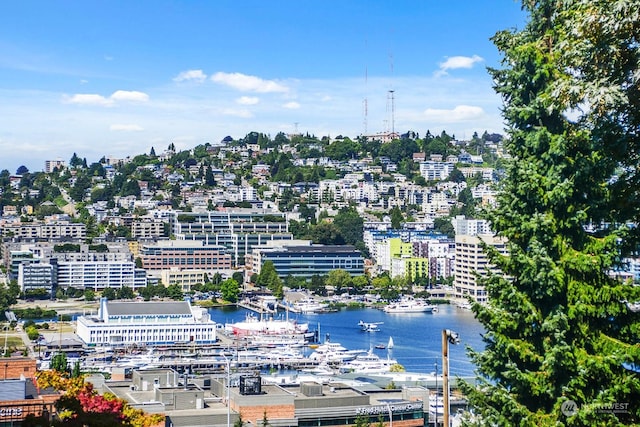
[{"x": 115, "y": 78}]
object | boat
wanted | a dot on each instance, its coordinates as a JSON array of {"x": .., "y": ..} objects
[
  {"x": 369, "y": 326},
  {"x": 409, "y": 305},
  {"x": 309, "y": 306},
  {"x": 380, "y": 346},
  {"x": 368, "y": 364},
  {"x": 333, "y": 352},
  {"x": 390, "y": 344},
  {"x": 254, "y": 326}
]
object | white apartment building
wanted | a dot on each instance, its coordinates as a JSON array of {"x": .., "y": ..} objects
[
  {"x": 99, "y": 275},
  {"x": 147, "y": 228},
  {"x": 435, "y": 171},
  {"x": 470, "y": 227},
  {"x": 471, "y": 260},
  {"x": 53, "y": 230},
  {"x": 50, "y": 165},
  {"x": 149, "y": 323}
]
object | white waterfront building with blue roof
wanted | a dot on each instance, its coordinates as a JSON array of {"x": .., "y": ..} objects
[{"x": 149, "y": 323}]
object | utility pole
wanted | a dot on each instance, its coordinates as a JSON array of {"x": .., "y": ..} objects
[{"x": 448, "y": 336}]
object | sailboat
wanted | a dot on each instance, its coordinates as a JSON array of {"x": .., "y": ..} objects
[{"x": 390, "y": 344}]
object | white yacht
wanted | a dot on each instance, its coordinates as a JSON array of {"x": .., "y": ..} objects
[
  {"x": 333, "y": 352},
  {"x": 309, "y": 306},
  {"x": 368, "y": 364},
  {"x": 409, "y": 305}
]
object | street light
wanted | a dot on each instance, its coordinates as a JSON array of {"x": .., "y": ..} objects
[
  {"x": 448, "y": 337},
  {"x": 390, "y": 415},
  {"x": 226, "y": 360}
]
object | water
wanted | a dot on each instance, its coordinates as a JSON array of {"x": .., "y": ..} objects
[{"x": 417, "y": 337}]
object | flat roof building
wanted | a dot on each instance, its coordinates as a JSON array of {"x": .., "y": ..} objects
[{"x": 148, "y": 323}]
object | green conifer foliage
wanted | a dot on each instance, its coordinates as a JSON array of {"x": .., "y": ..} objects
[{"x": 562, "y": 333}]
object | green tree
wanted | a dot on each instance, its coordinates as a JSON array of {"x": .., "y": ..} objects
[
  {"x": 32, "y": 333},
  {"x": 125, "y": 292},
  {"x": 339, "y": 279},
  {"x": 75, "y": 372},
  {"x": 238, "y": 276},
  {"x": 59, "y": 362},
  {"x": 109, "y": 293},
  {"x": 350, "y": 225},
  {"x": 89, "y": 295},
  {"x": 269, "y": 278},
  {"x": 560, "y": 329},
  {"x": 362, "y": 421},
  {"x": 174, "y": 292},
  {"x": 396, "y": 218},
  {"x": 230, "y": 290}
]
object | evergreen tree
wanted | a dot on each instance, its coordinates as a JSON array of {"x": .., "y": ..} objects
[
  {"x": 269, "y": 278},
  {"x": 561, "y": 339}
]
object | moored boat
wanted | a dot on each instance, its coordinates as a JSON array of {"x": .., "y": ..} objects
[{"x": 409, "y": 305}]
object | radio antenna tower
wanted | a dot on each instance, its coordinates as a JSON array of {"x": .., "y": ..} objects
[
  {"x": 393, "y": 112},
  {"x": 365, "y": 106}
]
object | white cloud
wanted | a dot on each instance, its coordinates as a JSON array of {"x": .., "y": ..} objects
[
  {"x": 455, "y": 62},
  {"x": 248, "y": 83},
  {"x": 460, "y": 113},
  {"x": 125, "y": 128},
  {"x": 129, "y": 95},
  {"x": 191, "y": 75},
  {"x": 248, "y": 100},
  {"x": 88, "y": 99},
  {"x": 291, "y": 105},
  {"x": 95, "y": 99}
]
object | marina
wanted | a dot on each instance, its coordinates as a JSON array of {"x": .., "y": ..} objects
[{"x": 307, "y": 342}]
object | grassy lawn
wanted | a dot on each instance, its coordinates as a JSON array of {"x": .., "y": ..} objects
[{"x": 60, "y": 202}]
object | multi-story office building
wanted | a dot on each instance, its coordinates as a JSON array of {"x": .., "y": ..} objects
[
  {"x": 150, "y": 323},
  {"x": 181, "y": 254},
  {"x": 239, "y": 230},
  {"x": 309, "y": 260},
  {"x": 36, "y": 277},
  {"x": 185, "y": 278},
  {"x": 470, "y": 261},
  {"x": 99, "y": 275}
]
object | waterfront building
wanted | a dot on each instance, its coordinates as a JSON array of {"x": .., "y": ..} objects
[
  {"x": 309, "y": 260},
  {"x": 148, "y": 323},
  {"x": 99, "y": 275},
  {"x": 419, "y": 254},
  {"x": 219, "y": 400},
  {"x": 471, "y": 261}
]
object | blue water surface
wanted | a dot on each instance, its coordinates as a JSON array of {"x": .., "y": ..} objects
[{"x": 417, "y": 337}]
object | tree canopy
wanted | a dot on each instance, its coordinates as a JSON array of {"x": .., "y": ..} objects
[{"x": 562, "y": 332}]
